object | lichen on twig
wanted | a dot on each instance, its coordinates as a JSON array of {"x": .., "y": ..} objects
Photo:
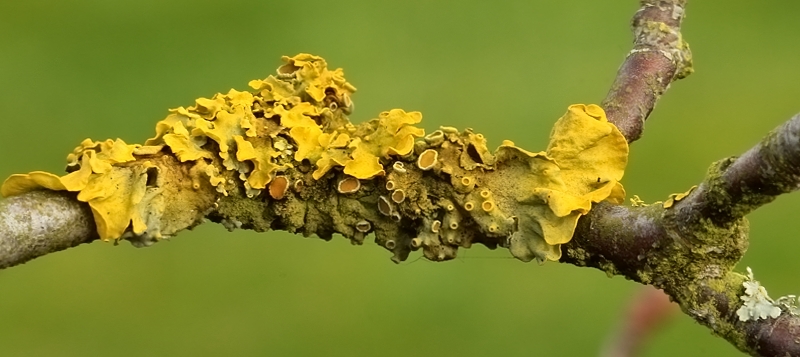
[
  {"x": 285, "y": 156},
  {"x": 758, "y": 305}
]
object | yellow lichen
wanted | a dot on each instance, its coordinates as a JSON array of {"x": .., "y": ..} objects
[
  {"x": 185, "y": 146},
  {"x": 114, "y": 198},
  {"x": 313, "y": 72},
  {"x": 20, "y": 183},
  {"x": 121, "y": 197},
  {"x": 263, "y": 159},
  {"x": 636, "y": 201},
  {"x": 224, "y": 127},
  {"x": 427, "y": 159},
  {"x": 394, "y": 133},
  {"x": 348, "y": 184},
  {"x": 278, "y": 187},
  {"x": 227, "y": 136},
  {"x": 363, "y": 165},
  {"x": 583, "y": 164},
  {"x": 293, "y": 127},
  {"x": 675, "y": 197},
  {"x": 398, "y": 196}
]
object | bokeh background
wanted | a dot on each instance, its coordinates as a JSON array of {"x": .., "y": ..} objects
[{"x": 106, "y": 69}]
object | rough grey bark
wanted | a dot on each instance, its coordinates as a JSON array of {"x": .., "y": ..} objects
[{"x": 42, "y": 222}]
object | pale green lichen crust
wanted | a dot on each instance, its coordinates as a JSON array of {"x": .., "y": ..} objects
[
  {"x": 284, "y": 155},
  {"x": 756, "y": 303}
]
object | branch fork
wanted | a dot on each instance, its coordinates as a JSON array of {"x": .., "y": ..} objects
[{"x": 687, "y": 246}]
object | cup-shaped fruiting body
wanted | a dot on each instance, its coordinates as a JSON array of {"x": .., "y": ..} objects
[
  {"x": 453, "y": 224},
  {"x": 450, "y": 227},
  {"x": 390, "y": 244},
  {"x": 384, "y": 206},
  {"x": 495, "y": 223},
  {"x": 435, "y": 138},
  {"x": 358, "y": 238},
  {"x": 430, "y": 241},
  {"x": 427, "y": 159},
  {"x": 436, "y": 251},
  {"x": 463, "y": 184},
  {"x": 487, "y": 205},
  {"x": 349, "y": 184},
  {"x": 278, "y": 187},
  {"x": 398, "y": 196},
  {"x": 467, "y": 181},
  {"x": 435, "y": 226},
  {"x": 416, "y": 242},
  {"x": 298, "y": 185},
  {"x": 452, "y": 236},
  {"x": 469, "y": 206},
  {"x": 485, "y": 193},
  {"x": 390, "y": 185},
  {"x": 448, "y": 205},
  {"x": 449, "y": 129},
  {"x": 399, "y": 167},
  {"x": 363, "y": 226},
  {"x": 493, "y": 228}
]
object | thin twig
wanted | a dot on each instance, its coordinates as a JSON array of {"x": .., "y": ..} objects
[
  {"x": 673, "y": 248},
  {"x": 659, "y": 57}
]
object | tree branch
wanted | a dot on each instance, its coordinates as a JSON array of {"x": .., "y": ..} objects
[
  {"x": 644, "y": 63},
  {"x": 659, "y": 57},
  {"x": 42, "y": 222},
  {"x": 735, "y": 187},
  {"x": 689, "y": 247}
]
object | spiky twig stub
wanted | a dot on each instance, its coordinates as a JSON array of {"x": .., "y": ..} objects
[{"x": 268, "y": 158}]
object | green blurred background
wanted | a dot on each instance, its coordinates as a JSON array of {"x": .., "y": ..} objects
[{"x": 106, "y": 69}]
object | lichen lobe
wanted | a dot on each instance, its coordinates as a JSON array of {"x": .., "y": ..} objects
[{"x": 284, "y": 155}]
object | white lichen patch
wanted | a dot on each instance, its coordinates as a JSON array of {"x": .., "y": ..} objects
[
  {"x": 790, "y": 303},
  {"x": 757, "y": 304}
]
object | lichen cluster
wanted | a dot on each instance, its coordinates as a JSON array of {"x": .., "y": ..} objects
[
  {"x": 284, "y": 155},
  {"x": 756, "y": 303}
]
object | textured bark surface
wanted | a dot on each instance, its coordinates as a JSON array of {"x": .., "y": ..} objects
[
  {"x": 659, "y": 57},
  {"x": 686, "y": 246},
  {"x": 42, "y": 222}
]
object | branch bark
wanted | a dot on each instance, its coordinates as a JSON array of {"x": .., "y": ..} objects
[
  {"x": 737, "y": 186},
  {"x": 687, "y": 247},
  {"x": 42, "y": 222},
  {"x": 659, "y": 57}
]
